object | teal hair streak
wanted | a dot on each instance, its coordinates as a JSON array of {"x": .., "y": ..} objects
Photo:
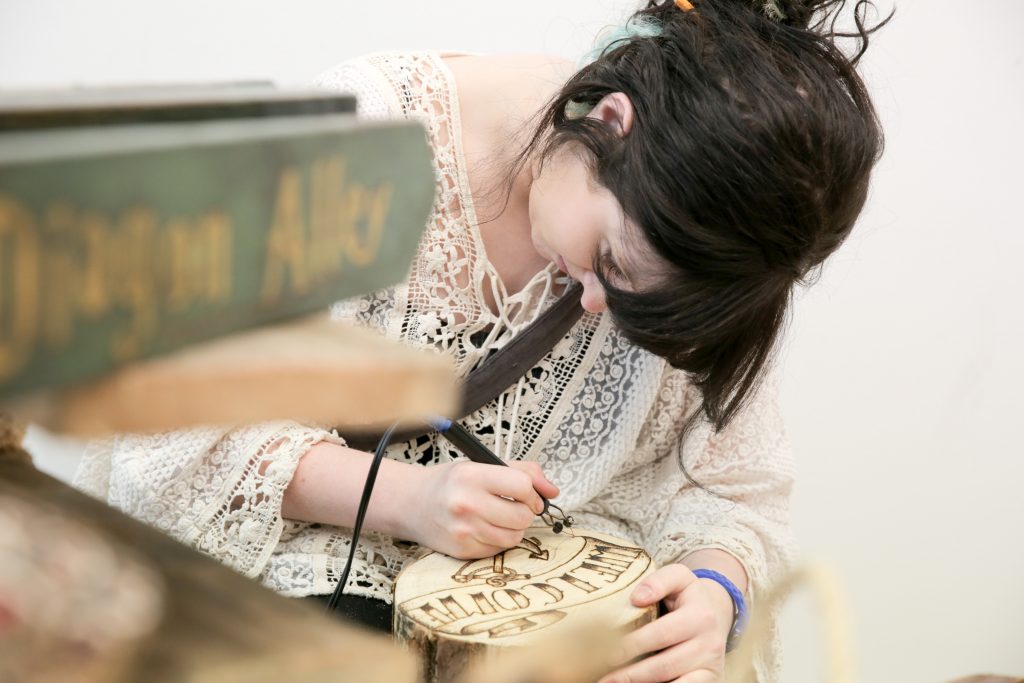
[{"x": 606, "y": 41}]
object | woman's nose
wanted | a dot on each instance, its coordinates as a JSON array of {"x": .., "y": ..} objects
[{"x": 593, "y": 293}]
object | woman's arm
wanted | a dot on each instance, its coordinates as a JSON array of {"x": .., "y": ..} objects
[
  {"x": 737, "y": 525},
  {"x": 464, "y": 509},
  {"x": 328, "y": 484},
  {"x": 735, "y": 522}
]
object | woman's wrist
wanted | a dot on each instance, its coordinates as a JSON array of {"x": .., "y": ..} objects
[
  {"x": 723, "y": 602},
  {"x": 727, "y": 565},
  {"x": 328, "y": 483},
  {"x": 737, "y": 609}
]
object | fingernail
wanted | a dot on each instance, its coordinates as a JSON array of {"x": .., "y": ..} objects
[{"x": 643, "y": 594}]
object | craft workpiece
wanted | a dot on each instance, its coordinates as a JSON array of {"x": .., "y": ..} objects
[{"x": 450, "y": 612}]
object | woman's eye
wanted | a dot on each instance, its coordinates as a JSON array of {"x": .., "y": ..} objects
[{"x": 611, "y": 271}]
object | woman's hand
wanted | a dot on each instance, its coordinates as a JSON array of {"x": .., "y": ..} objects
[
  {"x": 470, "y": 510},
  {"x": 689, "y": 641}
]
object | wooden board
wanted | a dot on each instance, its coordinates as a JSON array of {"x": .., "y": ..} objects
[
  {"x": 217, "y": 625},
  {"x": 41, "y": 109},
  {"x": 451, "y": 612},
  {"x": 314, "y": 370}
]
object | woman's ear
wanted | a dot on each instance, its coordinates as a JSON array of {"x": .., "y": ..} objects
[{"x": 616, "y": 110}]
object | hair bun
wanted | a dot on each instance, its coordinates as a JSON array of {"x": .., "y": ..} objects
[
  {"x": 790, "y": 12},
  {"x": 820, "y": 16}
]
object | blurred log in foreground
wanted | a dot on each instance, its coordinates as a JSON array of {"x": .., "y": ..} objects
[{"x": 81, "y": 589}]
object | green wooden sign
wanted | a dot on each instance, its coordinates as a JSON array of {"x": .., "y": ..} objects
[{"x": 126, "y": 242}]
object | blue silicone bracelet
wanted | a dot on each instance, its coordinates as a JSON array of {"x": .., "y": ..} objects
[{"x": 739, "y": 617}]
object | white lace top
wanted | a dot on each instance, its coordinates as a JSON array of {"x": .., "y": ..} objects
[{"x": 602, "y": 417}]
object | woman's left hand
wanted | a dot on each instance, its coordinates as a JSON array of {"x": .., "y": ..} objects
[{"x": 689, "y": 641}]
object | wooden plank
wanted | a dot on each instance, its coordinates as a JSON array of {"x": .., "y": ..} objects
[
  {"x": 129, "y": 242},
  {"x": 314, "y": 370},
  {"x": 42, "y": 109},
  {"x": 218, "y": 625}
]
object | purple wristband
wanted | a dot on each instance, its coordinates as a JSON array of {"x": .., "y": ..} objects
[{"x": 739, "y": 615}]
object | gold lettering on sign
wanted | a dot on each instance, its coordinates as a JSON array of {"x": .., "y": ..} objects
[
  {"x": 99, "y": 254},
  {"x": 95, "y": 265},
  {"x": 65, "y": 264},
  {"x": 364, "y": 240},
  {"x": 319, "y": 227},
  {"x": 134, "y": 291},
  {"x": 19, "y": 285},
  {"x": 197, "y": 261},
  {"x": 326, "y": 239},
  {"x": 62, "y": 275},
  {"x": 286, "y": 244}
]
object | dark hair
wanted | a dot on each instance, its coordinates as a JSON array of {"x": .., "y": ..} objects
[{"x": 746, "y": 166}]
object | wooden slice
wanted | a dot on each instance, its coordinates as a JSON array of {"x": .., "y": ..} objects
[
  {"x": 313, "y": 369},
  {"x": 450, "y": 612}
]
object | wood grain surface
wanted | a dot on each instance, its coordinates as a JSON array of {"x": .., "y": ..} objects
[{"x": 454, "y": 613}]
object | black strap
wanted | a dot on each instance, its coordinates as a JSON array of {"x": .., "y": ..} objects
[{"x": 502, "y": 369}]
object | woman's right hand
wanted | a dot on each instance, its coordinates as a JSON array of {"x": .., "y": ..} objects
[{"x": 470, "y": 510}]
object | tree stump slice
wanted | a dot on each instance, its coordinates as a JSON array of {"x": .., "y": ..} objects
[{"x": 453, "y": 612}]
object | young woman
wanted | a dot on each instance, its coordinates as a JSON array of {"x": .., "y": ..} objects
[{"x": 706, "y": 159}]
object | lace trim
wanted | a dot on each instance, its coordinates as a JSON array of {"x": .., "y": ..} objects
[{"x": 219, "y": 491}]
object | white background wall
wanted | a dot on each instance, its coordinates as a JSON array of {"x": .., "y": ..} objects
[{"x": 902, "y": 366}]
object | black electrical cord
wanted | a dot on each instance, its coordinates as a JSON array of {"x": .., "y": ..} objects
[{"x": 371, "y": 478}]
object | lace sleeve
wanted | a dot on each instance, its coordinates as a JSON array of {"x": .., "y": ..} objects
[
  {"x": 217, "y": 490},
  {"x": 747, "y": 470},
  {"x": 374, "y": 100}
]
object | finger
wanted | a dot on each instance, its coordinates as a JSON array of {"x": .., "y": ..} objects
[
  {"x": 463, "y": 543},
  {"x": 510, "y": 514},
  {"x": 496, "y": 536},
  {"x": 668, "y": 665},
  {"x": 541, "y": 483},
  {"x": 699, "y": 676},
  {"x": 670, "y": 579},
  {"x": 474, "y": 551},
  {"x": 663, "y": 632},
  {"x": 513, "y": 483}
]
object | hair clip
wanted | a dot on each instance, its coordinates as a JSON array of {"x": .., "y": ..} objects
[{"x": 684, "y": 5}]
